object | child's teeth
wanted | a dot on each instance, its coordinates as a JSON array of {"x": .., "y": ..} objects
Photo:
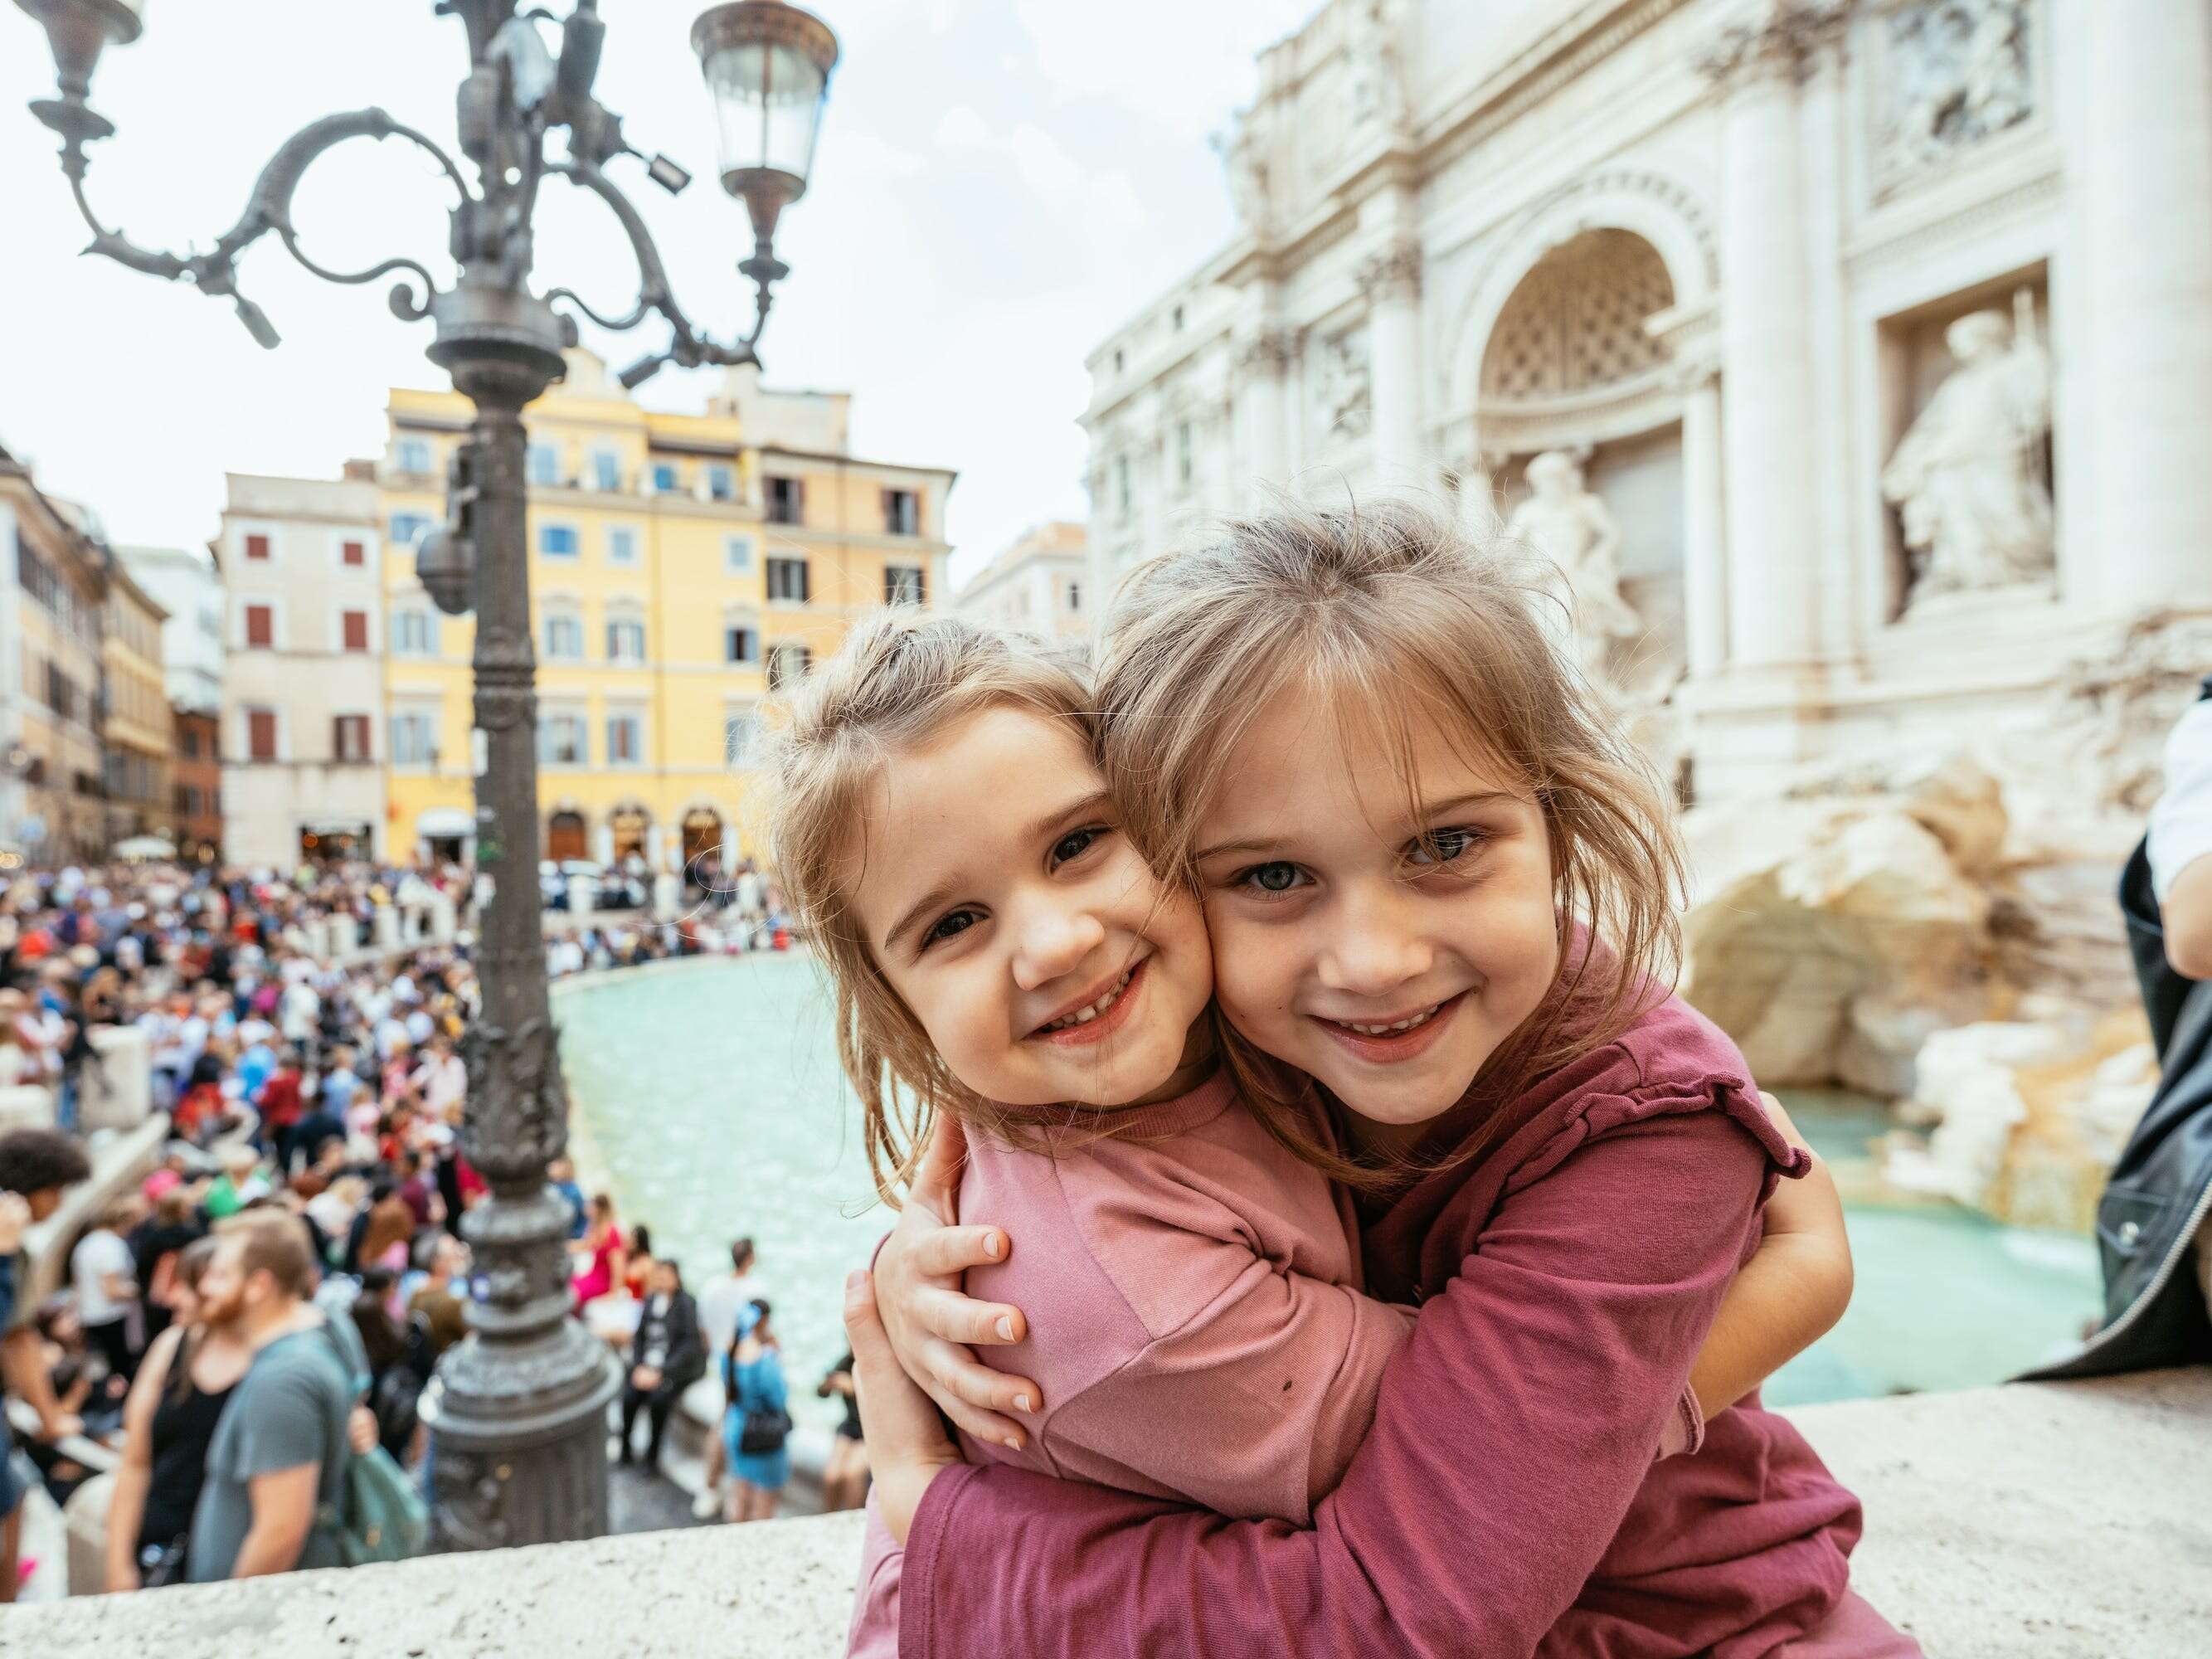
[
  {"x": 1084, "y": 1016},
  {"x": 1402, "y": 1025}
]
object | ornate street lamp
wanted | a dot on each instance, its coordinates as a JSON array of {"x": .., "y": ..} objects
[{"x": 520, "y": 1408}]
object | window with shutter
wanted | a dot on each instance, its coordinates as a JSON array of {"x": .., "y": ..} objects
[
  {"x": 257, "y": 547},
  {"x": 355, "y": 625},
  {"x": 261, "y": 733},
  {"x": 354, "y": 553},
  {"x": 260, "y": 625}
]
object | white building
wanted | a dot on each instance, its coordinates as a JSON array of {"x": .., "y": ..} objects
[
  {"x": 303, "y": 695},
  {"x": 1040, "y": 584},
  {"x": 1721, "y": 254},
  {"x": 184, "y": 582}
]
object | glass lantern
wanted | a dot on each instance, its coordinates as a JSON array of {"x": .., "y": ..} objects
[{"x": 768, "y": 66}]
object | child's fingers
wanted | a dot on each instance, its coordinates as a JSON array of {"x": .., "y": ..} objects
[
  {"x": 943, "y": 1252},
  {"x": 975, "y": 1396},
  {"x": 936, "y": 1182},
  {"x": 958, "y": 1318}
]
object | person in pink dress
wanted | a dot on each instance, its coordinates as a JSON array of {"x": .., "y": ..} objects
[
  {"x": 601, "y": 1253},
  {"x": 1020, "y": 967}
]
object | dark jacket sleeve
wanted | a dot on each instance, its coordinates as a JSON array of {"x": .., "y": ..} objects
[
  {"x": 687, "y": 1352},
  {"x": 1559, "y": 1351}
]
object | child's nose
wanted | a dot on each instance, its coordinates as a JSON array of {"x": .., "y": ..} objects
[
  {"x": 1054, "y": 942},
  {"x": 1372, "y": 946}
]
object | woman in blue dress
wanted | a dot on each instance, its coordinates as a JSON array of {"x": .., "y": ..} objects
[{"x": 757, "y": 1422}]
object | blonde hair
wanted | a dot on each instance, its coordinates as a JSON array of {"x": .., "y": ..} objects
[
  {"x": 1398, "y": 615},
  {"x": 895, "y": 683}
]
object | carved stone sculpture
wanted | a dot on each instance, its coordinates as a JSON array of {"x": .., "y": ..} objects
[
  {"x": 1571, "y": 527},
  {"x": 1379, "y": 93},
  {"x": 1343, "y": 397},
  {"x": 1967, "y": 478},
  {"x": 1244, "y": 153},
  {"x": 1958, "y": 72}
]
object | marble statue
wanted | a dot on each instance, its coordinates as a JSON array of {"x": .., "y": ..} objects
[
  {"x": 1571, "y": 527},
  {"x": 1378, "y": 65},
  {"x": 1243, "y": 154},
  {"x": 1958, "y": 73},
  {"x": 1967, "y": 477},
  {"x": 1343, "y": 396}
]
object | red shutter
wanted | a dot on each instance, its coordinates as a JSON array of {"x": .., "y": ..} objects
[
  {"x": 261, "y": 733},
  {"x": 356, "y": 630},
  {"x": 354, "y": 553},
  {"x": 260, "y": 625},
  {"x": 257, "y": 547}
]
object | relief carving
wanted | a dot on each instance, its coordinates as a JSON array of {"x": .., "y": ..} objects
[{"x": 1958, "y": 72}]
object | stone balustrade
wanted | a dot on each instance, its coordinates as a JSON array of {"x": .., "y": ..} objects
[{"x": 2060, "y": 1521}]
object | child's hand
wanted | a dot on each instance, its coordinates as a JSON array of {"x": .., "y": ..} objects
[
  {"x": 927, "y": 1318},
  {"x": 908, "y": 1447}
]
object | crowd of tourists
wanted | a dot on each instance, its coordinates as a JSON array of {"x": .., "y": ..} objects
[
  {"x": 671, "y": 1338},
  {"x": 273, "y": 1295}
]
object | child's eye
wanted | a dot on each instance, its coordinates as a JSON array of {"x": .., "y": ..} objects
[
  {"x": 950, "y": 924},
  {"x": 1442, "y": 845},
  {"x": 1276, "y": 877},
  {"x": 1076, "y": 842}
]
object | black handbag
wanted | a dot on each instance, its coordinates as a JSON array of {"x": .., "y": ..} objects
[{"x": 764, "y": 1431}]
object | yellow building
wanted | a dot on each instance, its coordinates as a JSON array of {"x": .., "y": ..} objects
[
  {"x": 53, "y": 588},
  {"x": 680, "y": 564},
  {"x": 136, "y": 727}
]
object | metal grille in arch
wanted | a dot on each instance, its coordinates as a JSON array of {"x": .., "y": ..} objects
[{"x": 1576, "y": 321}]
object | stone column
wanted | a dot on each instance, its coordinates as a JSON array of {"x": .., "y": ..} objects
[
  {"x": 1705, "y": 525},
  {"x": 667, "y": 896},
  {"x": 2145, "y": 171},
  {"x": 1392, "y": 281},
  {"x": 1767, "y": 367},
  {"x": 1263, "y": 369},
  {"x": 441, "y": 919},
  {"x": 388, "y": 931}
]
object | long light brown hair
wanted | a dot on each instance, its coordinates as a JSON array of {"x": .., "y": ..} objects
[
  {"x": 894, "y": 684},
  {"x": 1397, "y": 617}
]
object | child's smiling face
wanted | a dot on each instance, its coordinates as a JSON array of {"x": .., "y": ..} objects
[
  {"x": 1385, "y": 938},
  {"x": 1009, "y": 913}
]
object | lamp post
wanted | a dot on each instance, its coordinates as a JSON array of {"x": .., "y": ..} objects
[{"x": 519, "y": 1407}]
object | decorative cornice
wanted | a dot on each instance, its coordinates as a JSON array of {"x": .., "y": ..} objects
[
  {"x": 1786, "y": 47},
  {"x": 1393, "y": 274},
  {"x": 1274, "y": 352}
]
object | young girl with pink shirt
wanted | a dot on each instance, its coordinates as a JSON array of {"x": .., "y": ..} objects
[{"x": 1003, "y": 954}]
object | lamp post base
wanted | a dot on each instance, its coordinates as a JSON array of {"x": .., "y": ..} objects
[{"x": 520, "y": 1440}]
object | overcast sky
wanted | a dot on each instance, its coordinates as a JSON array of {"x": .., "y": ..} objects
[{"x": 999, "y": 183}]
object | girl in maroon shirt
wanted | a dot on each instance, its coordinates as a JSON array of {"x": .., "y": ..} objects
[{"x": 1441, "y": 889}]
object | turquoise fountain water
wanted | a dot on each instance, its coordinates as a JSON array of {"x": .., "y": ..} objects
[{"x": 708, "y": 1100}]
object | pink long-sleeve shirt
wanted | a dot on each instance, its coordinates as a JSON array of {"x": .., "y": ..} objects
[
  {"x": 1196, "y": 1322},
  {"x": 1505, "y": 1502}
]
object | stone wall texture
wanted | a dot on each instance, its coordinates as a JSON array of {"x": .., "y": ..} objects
[{"x": 2057, "y": 1520}]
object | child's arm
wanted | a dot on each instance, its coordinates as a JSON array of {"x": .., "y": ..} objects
[{"x": 1789, "y": 1295}]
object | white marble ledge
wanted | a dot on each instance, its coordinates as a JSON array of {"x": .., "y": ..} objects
[{"x": 2060, "y": 1522}]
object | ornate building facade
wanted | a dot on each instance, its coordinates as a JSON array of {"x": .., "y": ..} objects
[{"x": 1852, "y": 357}]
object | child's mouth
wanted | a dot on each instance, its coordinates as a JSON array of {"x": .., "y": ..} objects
[
  {"x": 1105, "y": 1013},
  {"x": 1398, "y": 1039}
]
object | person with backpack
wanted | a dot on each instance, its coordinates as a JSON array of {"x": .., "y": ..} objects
[
  {"x": 756, "y": 1423},
  {"x": 2154, "y": 1220}
]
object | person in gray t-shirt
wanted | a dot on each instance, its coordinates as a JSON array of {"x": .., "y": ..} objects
[{"x": 279, "y": 1452}]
